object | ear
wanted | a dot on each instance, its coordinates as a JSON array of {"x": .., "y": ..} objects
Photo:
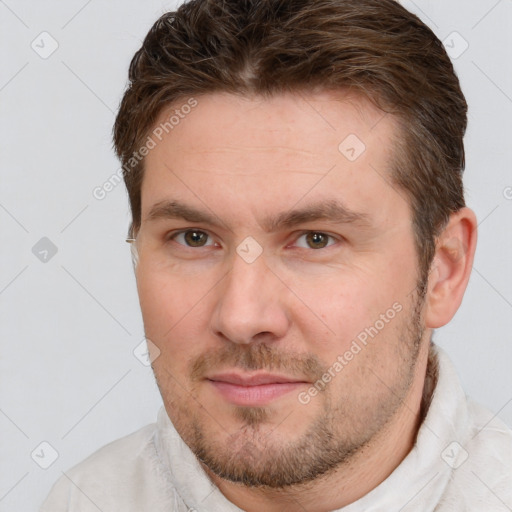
[
  {"x": 451, "y": 268},
  {"x": 134, "y": 253}
]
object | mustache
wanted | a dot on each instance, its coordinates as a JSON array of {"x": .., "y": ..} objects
[{"x": 254, "y": 357}]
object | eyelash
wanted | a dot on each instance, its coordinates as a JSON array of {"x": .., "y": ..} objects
[{"x": 173, "y": 235}]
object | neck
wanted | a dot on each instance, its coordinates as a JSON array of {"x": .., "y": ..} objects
[{"x": 365, "y": 471}]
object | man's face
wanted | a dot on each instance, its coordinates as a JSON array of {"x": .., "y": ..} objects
[{"x": 254, "y": 283}]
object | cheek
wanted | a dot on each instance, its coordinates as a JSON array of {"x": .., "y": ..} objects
[
  {"x": 158, "y": 303},
  {"x": 341, "y": 304},
  {"x": 341, "y": 311},
  {"x": 171, "y": 305},
  {"x": 174, "y": 320}
]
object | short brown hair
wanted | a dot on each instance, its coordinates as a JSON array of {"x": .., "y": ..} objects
[{"x": 373, "y": 47}]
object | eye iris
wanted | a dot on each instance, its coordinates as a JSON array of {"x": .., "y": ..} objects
[
  {"x": 316, "y": 240},
  {"x": 195, "y": 238}
]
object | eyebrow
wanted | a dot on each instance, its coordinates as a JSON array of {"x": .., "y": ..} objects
[
  {"x": 178, "y": 210},
  {"x": 331, "y": 211}
]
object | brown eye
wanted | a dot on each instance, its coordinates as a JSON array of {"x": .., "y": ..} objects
[
  {"x": 192, "y": 238},
  {"x": 317, "y": 240}
]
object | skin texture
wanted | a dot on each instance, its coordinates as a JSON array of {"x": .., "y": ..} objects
[{"x": 300, "y": 304}]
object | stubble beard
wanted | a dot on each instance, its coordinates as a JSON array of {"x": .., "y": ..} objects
[{"x": 252, "y": 456}]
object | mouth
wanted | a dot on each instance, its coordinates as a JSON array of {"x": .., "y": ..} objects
[{"x": 253, "y": 390}]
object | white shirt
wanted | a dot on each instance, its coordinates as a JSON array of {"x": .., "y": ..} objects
[{"x": 461, "y": 461}]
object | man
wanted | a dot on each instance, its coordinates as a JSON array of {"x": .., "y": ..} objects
[{"x": 299, "y": 230}]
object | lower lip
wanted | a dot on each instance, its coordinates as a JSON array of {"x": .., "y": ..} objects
[{"x": 254, "y": 395}]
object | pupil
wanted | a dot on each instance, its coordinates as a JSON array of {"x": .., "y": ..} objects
[
  {"x": 195, "y": 238},
  {"x": 317, "y": 240}
]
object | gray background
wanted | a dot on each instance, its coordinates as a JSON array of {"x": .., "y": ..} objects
[{"x": 70, "y": 321}]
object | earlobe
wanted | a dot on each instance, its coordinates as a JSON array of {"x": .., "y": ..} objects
[{"x": 451, "y": 268}]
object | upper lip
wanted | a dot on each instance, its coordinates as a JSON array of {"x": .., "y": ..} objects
[{"x": 252, "y": 380}]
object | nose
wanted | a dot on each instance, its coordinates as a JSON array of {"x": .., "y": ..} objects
[{"x": 250, "y": 304}]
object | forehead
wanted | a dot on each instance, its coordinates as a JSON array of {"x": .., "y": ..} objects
[
  {"x": 301, "y": 121},
  {"x": 273, "y": 150}
]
